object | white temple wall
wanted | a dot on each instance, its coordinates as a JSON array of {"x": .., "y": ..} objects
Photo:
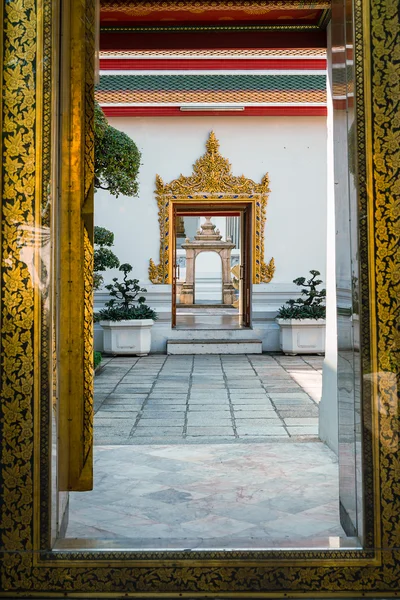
[{"x": 292, "y": 150}]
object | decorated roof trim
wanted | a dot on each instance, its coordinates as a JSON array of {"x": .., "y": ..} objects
[
  {"x": 217, "y": 82},
  {"x": 248, "y": 111},
  {"x": 151, "y": 29},
  {"x": 210, "y": 88},
  {"x": 260, "y": 7},
  {"x": 276, "y": 53}
]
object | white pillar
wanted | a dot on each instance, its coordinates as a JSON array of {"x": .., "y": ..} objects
[{"x": 328, "y": 408}]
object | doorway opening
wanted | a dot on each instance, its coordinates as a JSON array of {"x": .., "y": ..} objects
[
  {"x": 211, "y": 283},
  {"x": 223, "y": 450}
]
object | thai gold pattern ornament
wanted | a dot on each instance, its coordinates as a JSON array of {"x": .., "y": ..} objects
[
  {"x": 261, "y": 7},
  {"x": 20, "y": 301},
  {"x": 212, "y": 181},
  {"x": 24, "y": 570}
]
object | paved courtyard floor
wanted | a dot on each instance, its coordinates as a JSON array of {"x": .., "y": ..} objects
[
  {"x": 209, "y": 452},
  {"x": 173, "y": 399},
  {"x": 262, "y": 495}
]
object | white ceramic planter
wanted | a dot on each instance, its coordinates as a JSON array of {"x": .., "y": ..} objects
[
  {"x": 127, "y": 337},
  {"x": 302, "y": 336}
]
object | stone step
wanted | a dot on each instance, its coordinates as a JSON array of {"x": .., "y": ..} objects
[
  {"x": 214, "y": 346},
  {"x": 213, "y": 334}
]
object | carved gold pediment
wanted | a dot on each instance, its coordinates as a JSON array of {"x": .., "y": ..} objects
[
  {"x": 211, "y": 180},
  {"x": 212, "y": 174}
]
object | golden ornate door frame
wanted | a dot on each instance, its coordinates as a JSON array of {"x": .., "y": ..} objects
[
  {"x": 29, "y": 566},
  {"x": 211, "y": 182}
]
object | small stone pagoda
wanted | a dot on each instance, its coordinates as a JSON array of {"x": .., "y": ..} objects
[{"x": 208, "y": 239}]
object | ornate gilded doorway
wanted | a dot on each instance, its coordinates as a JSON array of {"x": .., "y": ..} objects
[
  {"x": 46, "y": 321},
  {"x": 213, "y": 187}
]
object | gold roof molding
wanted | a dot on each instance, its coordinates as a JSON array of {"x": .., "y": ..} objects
[
  {"x": 256, "y": 8},
  {"x": 211, "y": 181}
]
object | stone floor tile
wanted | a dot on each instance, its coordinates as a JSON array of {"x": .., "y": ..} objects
[
  {"x": 217, "y": 409},
  {"x": 154, "y": 423},
  {"x": 195, "y": 430},
  {"x": 163, "y": 431},
  {"x": 297, "y": 414},
  {"x": 157, "y": 400},
  {"x": 253, "y": 409},
  {"x": 289, "y": 395},
  {"x": 262, "y": 401},
  {"x": 286, "y": 403},
  {"x": 162, "y": 414},
  {"x": 301, "y": 421},
  {"x": 303, "y": 430},
  {"x": 114, "y": 423},
  {"x": 260, "y": 421},
  {"x": 206, "y": 421},
  {"x": 208, "y": 400},
  {"x": 116, "y": 414},
  {"x": 160, "y": 408},
  {"x": 261, "y": 432}
]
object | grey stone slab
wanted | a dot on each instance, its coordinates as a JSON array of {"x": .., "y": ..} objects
[
  {"x": 243, "y": 387},
  {"x": 111, "y": 433},
  {"x": 259, "y": 408},
  {"x": 305, "y": 430},
  {"x": 217, "y": 409},
  {"x": 289, "y": 396},
  {"x": 301, "y": 421},
  {"x": 286, "y": 404},
  {"x": 124, "y": 390},
  {"x": 113, "y": 423},
  {"x": 119, "y": 408},
  {"x": 162, "y": 414},
  {"x": 282, "y": 389},
  {"x": 154, "y": 423},
  {"x": 166, "y": 401},
  {"x": 116, "y": 414},
  {"x": 302, "y": 412},
  {"x": 110, "y": 401},
  {"x": 264, "y": 421},
  {"x": 159, "y": 432},
  {"x": 275, "y": 431},
  {"x": 210, "y": 431},
  {"x": 246, "y": 392},
  {"x": 204, "y": 420},
  {"x": 208, "y": 400},
  {"x": 161, "y": 408}
]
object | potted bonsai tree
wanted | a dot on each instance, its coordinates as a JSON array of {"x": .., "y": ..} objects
[
  {"x": 126, "y": 319},
  {"x": 302, "y": 321},
  {"x": 104, "y": 257}
]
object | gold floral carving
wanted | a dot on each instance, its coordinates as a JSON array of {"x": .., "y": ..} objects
[
  {"x": 21, "y": 312},
  {"x": 88, "y": 383},
  {"x": 384, "y": 187},
  {"x": 211, "y": 181},
  {"x": 261, "y": 7}
]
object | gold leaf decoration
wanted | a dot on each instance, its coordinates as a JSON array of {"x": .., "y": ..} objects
[
  {"x": 137, "y": 8},
  {"x": 267, "y": 271},
  {"x": 212, "y": 178}
]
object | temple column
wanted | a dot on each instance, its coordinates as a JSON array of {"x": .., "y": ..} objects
[{"x": 187, "y": 290}]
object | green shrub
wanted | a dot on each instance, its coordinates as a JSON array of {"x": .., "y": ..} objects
[
  {"x": 116, "y": 158},
  {"x": 97, "y": 359},
  {"x": 309, "y": 307},
  {"x": 104, "y": 258},
  {"x": 124, "y": 303}
]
